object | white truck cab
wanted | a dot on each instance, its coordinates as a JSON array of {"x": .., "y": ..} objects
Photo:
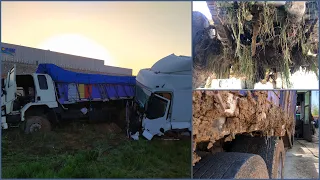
[
  {"x": 20, "y": 92},
  {"x": 165, "y": 92}
]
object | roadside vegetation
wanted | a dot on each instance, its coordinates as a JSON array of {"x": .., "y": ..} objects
[{"x": 92, "y": 151}]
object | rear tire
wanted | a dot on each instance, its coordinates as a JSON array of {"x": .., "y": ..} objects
[
  {"x": 37, "y": 124},
  {"x": 273, "y": 153},
  {"x": 278, "y": 160},
  {"x": 231, "y": 166}
]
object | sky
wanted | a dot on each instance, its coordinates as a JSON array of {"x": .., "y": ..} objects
[
  {"x": 202, "y": 7},
  {"x": 125, "y": 34},
  {"x": 315, "y": 98}
]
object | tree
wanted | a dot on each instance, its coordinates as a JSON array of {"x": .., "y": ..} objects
[{"x": 315, "y": 110}]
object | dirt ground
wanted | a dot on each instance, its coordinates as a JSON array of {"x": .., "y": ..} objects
[{"x": 302, "y": 161}]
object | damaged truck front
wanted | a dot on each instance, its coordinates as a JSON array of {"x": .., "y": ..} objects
[
  {"x": 244, "y": 134},
  {"x": 163, "y": 93},
  {"x": 249, "y": 43}
]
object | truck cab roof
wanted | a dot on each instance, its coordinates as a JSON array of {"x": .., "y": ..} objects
[
  {"x": 171, "y": 72},
  {"x": 173, "y": 64}
]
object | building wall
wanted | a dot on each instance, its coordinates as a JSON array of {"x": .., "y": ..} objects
[
  {"x": 27, "y": 60},
  {"x": 23, "y": 68}
]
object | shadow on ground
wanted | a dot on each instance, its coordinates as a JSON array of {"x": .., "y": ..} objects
[{"x": 302, "y": 161}]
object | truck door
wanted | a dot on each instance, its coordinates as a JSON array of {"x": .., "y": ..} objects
[
  {"x": 45, "y": 89},
  {"x": 10, "y": 88},
  {"x": 156, "y": 114},
  {"x": 307, "y": 133}
]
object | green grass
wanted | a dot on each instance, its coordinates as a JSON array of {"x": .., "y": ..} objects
[{"x": 86, "y": 152}]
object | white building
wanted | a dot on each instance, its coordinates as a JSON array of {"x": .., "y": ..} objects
[{"x": 26, "y": 57}]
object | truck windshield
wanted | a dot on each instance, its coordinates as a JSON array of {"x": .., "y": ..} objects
[
  {"x": 142, "y": 94},
  {"x": 156, "y": 107}
]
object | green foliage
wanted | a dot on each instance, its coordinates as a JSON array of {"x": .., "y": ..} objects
[
  {"x": 315, "y": 110},
  {"x": 90, "y": 154}
]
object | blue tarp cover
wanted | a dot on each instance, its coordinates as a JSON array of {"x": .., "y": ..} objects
[{"x": 61, "y": 75}]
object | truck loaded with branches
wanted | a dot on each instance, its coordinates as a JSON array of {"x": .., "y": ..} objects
[{"x": 255, "y": 41}]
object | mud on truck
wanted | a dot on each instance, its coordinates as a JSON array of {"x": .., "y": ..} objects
[
  {"x": 245, "y": 134},
  {"x": 254, "y": 42},
  {"x": 154, "y": 102}
]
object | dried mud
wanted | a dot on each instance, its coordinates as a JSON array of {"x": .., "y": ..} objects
[
  {"x": 199, "y": 78},
  {"x": 223, "y": 114}
]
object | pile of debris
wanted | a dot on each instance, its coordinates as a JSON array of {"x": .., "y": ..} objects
[
  {"x": 253, "y": 39},
  {"x": 220, "y": 115}
]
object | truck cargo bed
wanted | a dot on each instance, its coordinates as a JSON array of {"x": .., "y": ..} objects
[
  {"x": 221, "y": 115},
  {"x": 74, "y": 87}
]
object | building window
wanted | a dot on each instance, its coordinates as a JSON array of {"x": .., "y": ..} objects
[{"x": 42, "y": 82}]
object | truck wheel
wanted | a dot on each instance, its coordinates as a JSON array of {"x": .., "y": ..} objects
[
  {"x": 272, "y": 152},
  {"x": 37, "y": 124},
  {"x": 231, "y": 165},
  {"x": 278, "y": 160}
]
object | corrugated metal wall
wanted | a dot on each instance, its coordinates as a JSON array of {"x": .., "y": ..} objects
[{"x": 34, "y": 56}]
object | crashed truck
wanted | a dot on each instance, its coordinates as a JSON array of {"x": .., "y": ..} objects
[
  {"x": 251, "y": 43},
  {"x": 245, "y": 134},
  {"x": 43, "y": 100},
  {"x": 53, "y": 95},
  {"x": 163, "y": 92}
]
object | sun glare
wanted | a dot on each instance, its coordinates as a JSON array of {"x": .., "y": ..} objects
[
  {"x": 304, "y": 80},
  {"x": 78, "y": 45},
  {"x": 202, "y": 7}
]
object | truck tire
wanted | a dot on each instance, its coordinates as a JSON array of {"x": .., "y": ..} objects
[
  {"x": 278, "y": 160},
  {"x": 36, "y": 124},
  {"x": 273, "y": 152},
  {"x": 231, "y": 165}
]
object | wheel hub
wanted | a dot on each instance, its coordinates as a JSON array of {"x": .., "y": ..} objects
[{"x": 35, "y": 127}]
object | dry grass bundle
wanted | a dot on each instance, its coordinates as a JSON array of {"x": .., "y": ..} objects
[{"x": 264, "y": 39}]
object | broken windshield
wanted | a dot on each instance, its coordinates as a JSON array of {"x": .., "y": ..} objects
[
  {"x": 156, "y": 107},
  {"x": 142, "y": 94}
]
